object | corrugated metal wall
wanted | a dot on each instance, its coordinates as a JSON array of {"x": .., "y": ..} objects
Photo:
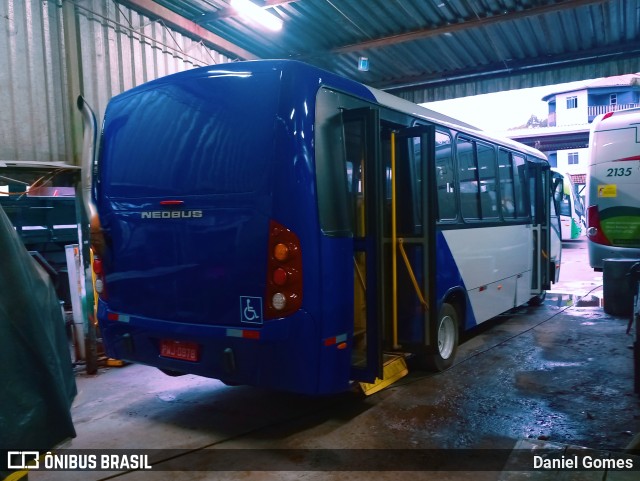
[
  {"x": 122, "y": 48},
  {"x": 33, "y": 100},
  {"x": 118, "y": 48}
]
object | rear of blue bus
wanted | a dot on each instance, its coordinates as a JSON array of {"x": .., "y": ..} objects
[{"x": 205, "y": 193}]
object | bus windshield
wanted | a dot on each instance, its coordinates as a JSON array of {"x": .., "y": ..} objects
[{"x": 571, "y": 210}]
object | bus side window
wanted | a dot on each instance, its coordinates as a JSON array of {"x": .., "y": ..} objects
[
  {"x": 467, "y": 174},
  {"x": 487, "y": 177},
  {"x": 444, "y": 177},
  {"x": 335, "y": 176},
  {"x": 408, "y": 181},
  {"x": 505, "y": 173},
  {"x": 354, "y": 157},
  {"x": 520, "y": 186}
]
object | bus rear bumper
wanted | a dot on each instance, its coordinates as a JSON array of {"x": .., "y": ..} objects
[
  {"x": 283, "y": 354},
  {"x": 599, "y": 252}
]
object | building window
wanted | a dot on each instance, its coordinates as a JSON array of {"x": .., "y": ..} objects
[
  {"x": 572, "y": 102},
  {"x": 613, "y": 99},
  {"x": 573, "y": 158}
]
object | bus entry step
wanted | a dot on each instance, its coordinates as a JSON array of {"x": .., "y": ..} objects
[{"x": 393, "y": 369}]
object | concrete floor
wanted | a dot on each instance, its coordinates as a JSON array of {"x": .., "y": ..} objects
[{"x": 557, "y": 375}]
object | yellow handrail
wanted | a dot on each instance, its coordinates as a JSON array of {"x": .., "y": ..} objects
[
  {"x": 360, "y": 276},
  {"x": 412, "y": 276}
]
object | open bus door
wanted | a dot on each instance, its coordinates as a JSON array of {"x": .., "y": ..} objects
[
  {"x": 362, "y": 143},
  {"x": 410, "y": 237},
  {"x": 545, "y": 229},
  {"x": 388, "y": 239},
  {"x": 555, "y": 232}
]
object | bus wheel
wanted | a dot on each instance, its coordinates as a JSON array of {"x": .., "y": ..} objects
[
  {"x": 445, "y": 335},
  {"x": 538, "y": 300}
]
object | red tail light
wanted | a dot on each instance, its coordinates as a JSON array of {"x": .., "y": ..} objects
[
  {"x": 284, "y": 272},
  {"x": 97, "y": 266},
  {"x": 594, "y": 228},
  {"x": 99, "y": 283}
]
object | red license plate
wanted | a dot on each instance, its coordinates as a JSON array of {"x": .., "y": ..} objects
[{"x": 185, "y": 351}]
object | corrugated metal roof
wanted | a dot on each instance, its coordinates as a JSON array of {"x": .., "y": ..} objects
[{"x": 427, "y": 50}]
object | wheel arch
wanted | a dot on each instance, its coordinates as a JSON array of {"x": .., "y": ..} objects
[{"x": 457, "y": 298}]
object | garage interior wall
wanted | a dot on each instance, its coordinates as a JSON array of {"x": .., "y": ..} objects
[{"x": 56, "y": 50}]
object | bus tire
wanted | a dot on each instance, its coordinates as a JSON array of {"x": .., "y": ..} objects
[
  {"x": 442, "y": 352},
  {"x": 538, "y": 300},
  {"x": 172, "y": 373}
]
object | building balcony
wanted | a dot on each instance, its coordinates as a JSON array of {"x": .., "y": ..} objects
[{"x": 595, "y": 110}]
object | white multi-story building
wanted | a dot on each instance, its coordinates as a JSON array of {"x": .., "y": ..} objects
[{"x": 565, "y": 139}]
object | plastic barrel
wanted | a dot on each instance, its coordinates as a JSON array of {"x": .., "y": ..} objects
[{"x": 618, "y": 291}]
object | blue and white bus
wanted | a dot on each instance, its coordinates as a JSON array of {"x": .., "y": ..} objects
[{"x": 273, "y": 224}]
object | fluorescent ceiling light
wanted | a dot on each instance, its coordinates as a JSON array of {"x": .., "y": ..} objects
[{"x": 257, "y": 14}]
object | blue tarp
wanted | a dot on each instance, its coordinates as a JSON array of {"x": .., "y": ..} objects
[{"x": 37, "y": 383}]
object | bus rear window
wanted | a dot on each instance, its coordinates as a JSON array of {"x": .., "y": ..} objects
[{"x": 189, "y": 138}]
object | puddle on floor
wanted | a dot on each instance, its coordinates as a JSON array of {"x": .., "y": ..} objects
[{"x": 560, "y": 299}]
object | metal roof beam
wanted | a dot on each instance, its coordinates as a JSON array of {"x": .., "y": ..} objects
[
  {"x": 629, "y": 50},
  {"x": 189, "y": 27},
  {"x": 463, "y": 25}
]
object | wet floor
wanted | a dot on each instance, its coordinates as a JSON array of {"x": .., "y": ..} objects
[{"x": 559, "y": 373}]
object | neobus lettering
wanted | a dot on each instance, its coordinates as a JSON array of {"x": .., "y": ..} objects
[{"x": 174, "y": 214}]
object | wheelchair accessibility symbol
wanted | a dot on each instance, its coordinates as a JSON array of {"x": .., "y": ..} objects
[{"x": 251, "y": 309}]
